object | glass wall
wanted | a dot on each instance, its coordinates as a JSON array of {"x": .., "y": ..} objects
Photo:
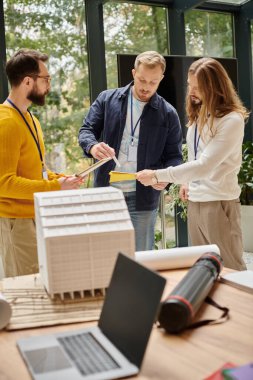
[
  {"x": 132, "y": 29},
  {"x": 55, "y": 27},
  {"x": 209, "y": 34}
]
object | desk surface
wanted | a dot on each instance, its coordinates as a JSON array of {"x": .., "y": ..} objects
[{"x": 192, "y": 355}]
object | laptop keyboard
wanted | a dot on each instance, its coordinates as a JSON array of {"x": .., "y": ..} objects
[{"x": 87, "y": 353}]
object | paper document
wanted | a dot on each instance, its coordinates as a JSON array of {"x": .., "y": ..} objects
[
  {"x": 116, "y": 161},
  {"x": 242, "y": 280},
  {"x": 121, "y": 176},
  {"x": 93, "y": 167}
]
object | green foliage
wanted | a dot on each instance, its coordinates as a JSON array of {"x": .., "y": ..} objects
[
  {"x": 209, "y": 34},
  {"x": 245, "y": 176},
  {"x": 123, "y": 22},
  {"x": 175, "y": 203},
  {"x": 158, "y": 239}
]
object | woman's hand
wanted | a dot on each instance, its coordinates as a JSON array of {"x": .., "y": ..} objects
[
  {"x": 183, "y": 193},
  {"x": 146, "y": 177}
]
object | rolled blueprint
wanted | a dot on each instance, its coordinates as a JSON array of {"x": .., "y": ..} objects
[{"x": 173, "y": 258}]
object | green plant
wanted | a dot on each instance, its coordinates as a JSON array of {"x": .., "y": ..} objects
[
  {"x": 158, "y": 239},
  {"x": 173, "y": 204},
  {"x": 245, "y": 176},
  {"x": 174, "y": 201}
]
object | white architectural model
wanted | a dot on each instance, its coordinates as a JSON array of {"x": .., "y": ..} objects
[{"x": 79, "y": 234}]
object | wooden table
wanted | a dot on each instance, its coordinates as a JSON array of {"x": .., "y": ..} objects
[{"x": 192, "y": 355}]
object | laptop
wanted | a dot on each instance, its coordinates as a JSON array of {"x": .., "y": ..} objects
[{"x": 113, "y": 349}]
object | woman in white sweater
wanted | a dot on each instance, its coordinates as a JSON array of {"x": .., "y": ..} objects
[{"x": 214, "y": 140}]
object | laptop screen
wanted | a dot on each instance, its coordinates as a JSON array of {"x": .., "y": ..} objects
[{"x": 131, "y": 307}]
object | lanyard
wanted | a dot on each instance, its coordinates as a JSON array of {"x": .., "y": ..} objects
[
  {"x": 196, "y": 142},
  {"x": 30, "y": 129},
  {"x": 133, "y": 129}
]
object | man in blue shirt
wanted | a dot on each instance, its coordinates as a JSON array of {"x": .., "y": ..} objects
[{"x": 143, "y": 131}]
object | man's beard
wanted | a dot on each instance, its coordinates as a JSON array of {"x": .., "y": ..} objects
[
  {"x": 38, "y": 99},
  {"x": 196, "y": 101}
]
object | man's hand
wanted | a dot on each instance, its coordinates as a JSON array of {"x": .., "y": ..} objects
[
  {"x": 102, "y": 150},
  {"x": 183, "y": 192},
  {"x": 70, "y": 182}
]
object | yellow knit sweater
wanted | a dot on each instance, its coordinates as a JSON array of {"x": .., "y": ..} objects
[{"x": 20, "y": 165}]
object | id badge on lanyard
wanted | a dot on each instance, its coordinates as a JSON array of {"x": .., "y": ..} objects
[
  {"x": 132, "y": 153},
  {"x": 132, "y": 149},
  {"x": 35, "y": 138},
  {"x": 44, "y": 173}
]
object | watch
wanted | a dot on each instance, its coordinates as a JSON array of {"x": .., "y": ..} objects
[{"x": 154, "y": 178}]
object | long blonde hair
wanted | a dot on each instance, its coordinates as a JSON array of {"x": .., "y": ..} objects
[{"x": 217, "y": 91}]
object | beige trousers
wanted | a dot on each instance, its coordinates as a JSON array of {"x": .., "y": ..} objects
[
  {"x": 18, "y": 246},
  {"x": 218, "y": 222}
]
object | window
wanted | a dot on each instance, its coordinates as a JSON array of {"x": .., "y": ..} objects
[
  {"x": 55, "y": 27},
  {"x": 209, "y": 33},
  {"x": 132, "y": 29}
]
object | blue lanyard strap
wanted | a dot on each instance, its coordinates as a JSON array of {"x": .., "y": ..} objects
[
  {"x": 133, "y": 129},
  {"x": 196, "y": 142},
  {"x": 29, "y": 127}
]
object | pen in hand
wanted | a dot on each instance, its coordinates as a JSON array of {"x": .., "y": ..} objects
[{"x": 115, "y": 159}]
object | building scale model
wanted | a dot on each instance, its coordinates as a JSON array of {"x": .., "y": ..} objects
[{"x": 79, "y": 234}]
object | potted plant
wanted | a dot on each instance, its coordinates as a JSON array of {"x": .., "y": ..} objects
[
  {"x": 174, "y": 200},
  {"x": 174, "y": 205},
  {"x": 245, "y": 178},
  {"x": 245, "y": 175}
]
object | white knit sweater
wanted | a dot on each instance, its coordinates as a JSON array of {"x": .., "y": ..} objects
[{"x": 213, "y": 175}]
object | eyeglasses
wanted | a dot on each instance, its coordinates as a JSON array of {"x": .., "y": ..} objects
[{"x": 47, "y": 78}]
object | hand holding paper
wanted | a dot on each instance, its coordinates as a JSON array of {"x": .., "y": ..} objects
[
  {"x": 93, "y": 167},
  {"x": 102, "y": 150},
  {"x": 145, "y": 177}
]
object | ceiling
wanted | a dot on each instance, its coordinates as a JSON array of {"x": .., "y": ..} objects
[{"x": 231, "y": 2}]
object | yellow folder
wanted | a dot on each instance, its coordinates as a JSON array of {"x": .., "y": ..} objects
[{"x": 121, "y": 176}]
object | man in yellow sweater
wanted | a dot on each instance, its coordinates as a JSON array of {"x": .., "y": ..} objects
[{"x": 22, "y": 166}]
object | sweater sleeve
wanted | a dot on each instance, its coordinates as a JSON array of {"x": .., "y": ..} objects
[
  {"x": 52, "y": 175},
  {"x": 229, "y": 134},
  {"x": 13, "y": 182}
]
